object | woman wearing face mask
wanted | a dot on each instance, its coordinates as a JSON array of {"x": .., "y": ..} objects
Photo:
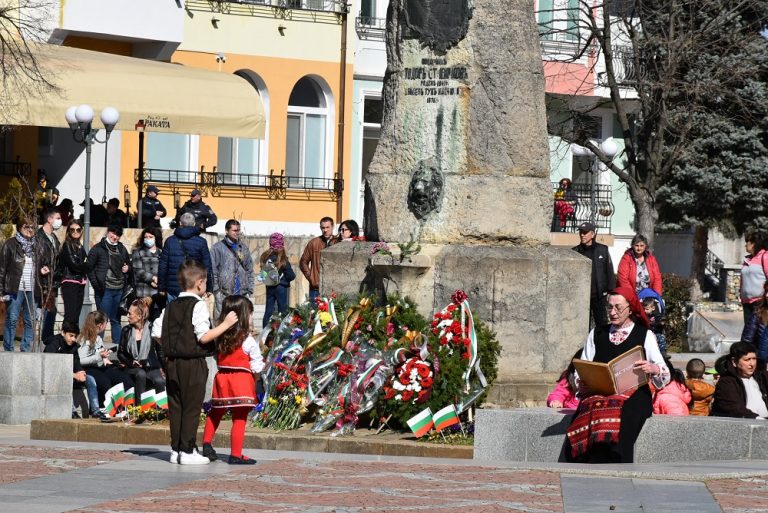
[
  {"x": 17, "y": 282},
  {"x": 146, "y": 261},
  {"x": 73, "y": 267}
]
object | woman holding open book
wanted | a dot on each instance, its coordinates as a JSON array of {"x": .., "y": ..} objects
[{"x": 605, "y": 427}]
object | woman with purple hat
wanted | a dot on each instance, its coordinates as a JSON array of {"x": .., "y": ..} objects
[{"x": 277, "y": 291}]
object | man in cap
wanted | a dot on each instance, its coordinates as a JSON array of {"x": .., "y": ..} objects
[
  {"x": 204, "y": 216},
  {"x": 603, "y": 278},
  {"x": 151, "y": 208}
]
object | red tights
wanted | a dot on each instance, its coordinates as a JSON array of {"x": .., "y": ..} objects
[{"x": 239, "y": 417}]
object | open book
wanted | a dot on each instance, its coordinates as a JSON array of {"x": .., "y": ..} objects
[{"x": 614, "y": 377}]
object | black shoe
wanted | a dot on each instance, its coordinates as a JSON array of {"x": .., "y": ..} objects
[
  {"x": 100, "y": 415},
  {"x": 243, "y": 460},
  {"x": 209, "y": 453},
  {"x": 76, "y": 415}
]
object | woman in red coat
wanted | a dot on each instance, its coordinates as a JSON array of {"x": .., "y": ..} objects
[{"x": 638, "y": 268}]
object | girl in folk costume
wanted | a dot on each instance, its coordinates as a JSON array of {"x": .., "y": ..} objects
[
  {"x": 605, "y": 428},
  {"x": 239, "y": 361}
]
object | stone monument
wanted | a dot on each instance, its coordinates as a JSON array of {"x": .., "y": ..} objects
[{"x": 462, "y": 167}]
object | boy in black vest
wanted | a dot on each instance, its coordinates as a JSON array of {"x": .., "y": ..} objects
[{"x": 186, "y": 338}]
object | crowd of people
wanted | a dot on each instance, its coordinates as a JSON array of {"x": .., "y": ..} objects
[{"x": 626, "y": 311}]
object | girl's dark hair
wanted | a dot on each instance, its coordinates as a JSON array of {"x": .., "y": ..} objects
[
  {"x": 740, "y": 349},
  {"x": 756, "y": 237},
  {"x": 69, "y": 238},
  {"x": 567, "y": 181},
  {"x": 570, "y": 371},
  {"x": 354, "y": 229},
  {"x": 235, "y": 335},
  {"x": 675, "y": 373},
  {"x": 282, "y": 258},
  {"x": 152, "y": 230}
]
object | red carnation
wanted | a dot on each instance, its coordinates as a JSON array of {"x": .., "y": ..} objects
[
  {"x": 423, "y": 396},
  {"x": 459, "y": 297},
  {"x": 465, "y": 356},
  {"x": 389, "y": 393},
  {"x": 407, "y": 395},
  {"x": 423, "y": 371},
  {"x": 426, "y": 382},
  {"x": 443, "y": 341},
  {"x": 405, "y": 379}
]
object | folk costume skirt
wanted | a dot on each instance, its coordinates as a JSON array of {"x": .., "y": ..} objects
[{"x": 233, "y": 389}]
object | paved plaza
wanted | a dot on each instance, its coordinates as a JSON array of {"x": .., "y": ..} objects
[{"x": 50, "y": 476}]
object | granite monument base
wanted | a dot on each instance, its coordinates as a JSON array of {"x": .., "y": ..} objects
[
  {"x": 535, "y": 297},
  {"x": 35, "y": 386},
  {"x": 537, "y": 435}
]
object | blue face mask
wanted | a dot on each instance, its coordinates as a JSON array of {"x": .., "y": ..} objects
[{"x": 150, "y": 243}]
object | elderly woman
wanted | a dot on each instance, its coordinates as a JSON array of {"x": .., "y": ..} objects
[
  {"x": 638, "y": 268},
  {"x": 742, "y": 388},
  {"x": 136, "y": 352},
  {"x": 589, "y": 439}
]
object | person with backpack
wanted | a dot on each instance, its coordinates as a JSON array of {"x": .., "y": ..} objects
[
  {"x": 277, "y": 274},
  {"x": 232, "y": 266},
  {"x": 185, "y": 244}
]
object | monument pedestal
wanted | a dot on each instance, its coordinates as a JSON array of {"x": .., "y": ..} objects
[
  {"x": 35, "y": 386},
  {"x": 536, "y": 299}
]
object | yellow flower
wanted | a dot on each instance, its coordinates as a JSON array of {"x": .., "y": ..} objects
[
  {"x": 272, "y": 400},
  {"x": 325, "y": 318},
  {"x": 297, "y": 399}
]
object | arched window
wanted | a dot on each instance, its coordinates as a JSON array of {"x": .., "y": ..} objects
[
  {"x": 309, "y": 133},
  {"x": 238, "y": 159}
]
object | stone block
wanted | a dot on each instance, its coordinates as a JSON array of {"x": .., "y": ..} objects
[
  {"x": 56, "y": 376},
  {"x": 35, "y": 386},
  {"x": 57, "y": 407},
  {"x": 53, "y": 430},
  {"x": 758, "y": 447},
  {"x": 500, "y": 435},
  {"x": 668, "y": 438},
  {"x": 108, "y": 433}
]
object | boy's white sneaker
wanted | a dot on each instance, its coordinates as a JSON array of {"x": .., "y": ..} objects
[
  {"x": 174, "y": 456},
  {"x": 192, "y": 458}
]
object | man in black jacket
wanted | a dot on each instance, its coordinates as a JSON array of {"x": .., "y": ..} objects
[
  {"x": 603, "y": 277},
  {"x": 110, "y": 265},
  {"x": 204, "y": 216},
  {"x": 47, "y": 247},
  {"x": 151, "y": 208}
]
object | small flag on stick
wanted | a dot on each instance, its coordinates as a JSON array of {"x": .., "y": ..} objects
[
  {"x": 147, "y": 400},
  {"x": 445, "y": 417},
  {"x": 113, "y": 399},
  {"x": 129, "y": 399},
  {"x": 161, "y": 400},
  {"x": 421, "y": 423}
]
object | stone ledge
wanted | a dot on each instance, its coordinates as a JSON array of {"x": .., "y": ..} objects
[
  {"x": 365, "y": 442},
  {"x": 537, "y": 435}
]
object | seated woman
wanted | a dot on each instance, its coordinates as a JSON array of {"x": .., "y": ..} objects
[
  {"x": 592, "y": 438},
  {"x": 742, "y": 388},
  {"x": 137, "y": 353}
]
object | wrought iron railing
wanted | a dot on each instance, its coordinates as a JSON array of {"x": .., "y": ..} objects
[
  {"x": 579, "y": 204},
  {"x": 624, "y": 65},
  {"x": 15, "y": 168},
  {"x": 368, "y": 27},
  {"x": 214, "y": 181},
  {"x": 713, "y": 264},
  {"x": 233, "y": 6}
]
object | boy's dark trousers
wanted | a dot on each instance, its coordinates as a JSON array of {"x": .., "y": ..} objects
[{"x": 185, "y": 385}]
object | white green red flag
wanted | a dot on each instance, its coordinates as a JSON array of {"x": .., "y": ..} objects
[
  {"x": 147, "y": 400},
  {"x": 445, "y": 417},
  {"x": 113, "y": 399},
  {"x": 161, "y": 400},
  {"x": 421, "y": 423},
  {"x": 129, "y": 399}
]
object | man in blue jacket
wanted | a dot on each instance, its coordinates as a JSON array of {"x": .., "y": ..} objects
[{"x": 185, "y": 244}]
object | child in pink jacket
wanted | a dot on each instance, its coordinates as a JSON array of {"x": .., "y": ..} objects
[
  {"x": 564, "y": 394},
  {"x": 674, "y": 398}
]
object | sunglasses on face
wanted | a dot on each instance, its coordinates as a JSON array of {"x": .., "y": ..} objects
[{"x": 75, "y": 230}]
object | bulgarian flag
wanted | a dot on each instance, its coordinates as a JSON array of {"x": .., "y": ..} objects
[
  {"x": 129, "y": 399},
  {"x": 421, "y": 423},
  {"x": 147, "y": 400},
  {"x": 113, "y": 399},
  {"x": 161, "y": 400},
  {"x": 445, "y": 417}
]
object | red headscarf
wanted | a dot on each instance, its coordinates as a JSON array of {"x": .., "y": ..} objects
[{"x": 635, "y": 306}]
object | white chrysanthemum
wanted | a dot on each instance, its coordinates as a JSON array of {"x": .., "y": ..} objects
[
  {"x": 417, "y": 388},
  {"x": 399, "y": 397},
  {"x": 397, "y": 385}
]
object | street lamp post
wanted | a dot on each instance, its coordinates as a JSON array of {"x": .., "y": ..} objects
[
  {"x": 609, "y": 149},
  {"x": 80, "y": 121}
]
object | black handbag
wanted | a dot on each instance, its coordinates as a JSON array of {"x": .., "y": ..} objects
[{"x": 129, "y": 296}]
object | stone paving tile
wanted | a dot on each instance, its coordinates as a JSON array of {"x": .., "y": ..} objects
[
  {"x": 288, "y": 486},
  {"x": 19, "y": 463},
  {"x": 746, "y": 495}
]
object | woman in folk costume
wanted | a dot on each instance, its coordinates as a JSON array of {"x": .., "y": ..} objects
[{"x": 604, "y": 429}]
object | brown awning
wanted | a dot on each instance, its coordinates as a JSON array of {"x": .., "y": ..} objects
[{"x": 160, "y": 96}]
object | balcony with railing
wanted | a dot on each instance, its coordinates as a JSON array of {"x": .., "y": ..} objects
[
  {"x": 276, "y": 7},
  {"x": 368, "y": 27},
  {"x": 582, "y": 203},
  {"x": 15, "y": 168},
  {"x": 244, "y": 185}
]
